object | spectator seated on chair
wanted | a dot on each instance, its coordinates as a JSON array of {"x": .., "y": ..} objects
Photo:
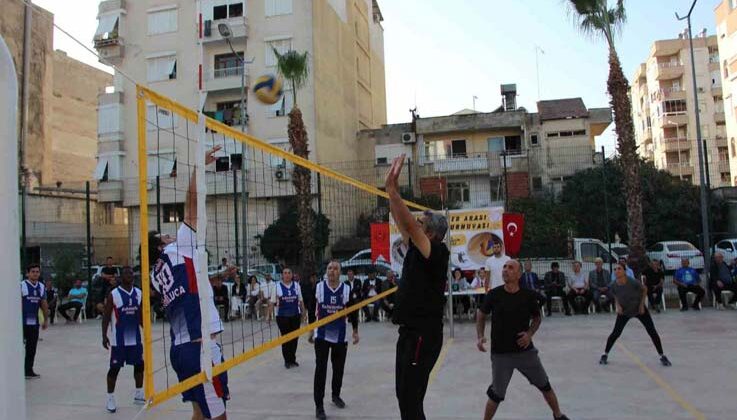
[
  {"x": 654, "y": 280},
  {"x": 458, "y": 283},
  {"x": 371, "y": 288},
  {"x": 75, "y": 300},
  {"x": 600, "y": 285},
  {"x": 387, "y": 304},
  {"x": 579, "y": 296},
  {"x": 687, "y": 279},
  {"x": 531, "y": 281},
  {"x": 52, "y": 297},
  {"x": 253, "y": 295},
  {"x": 220, "y": 295},
  {"x": 555, "y": 283},
  {"x": 721, "y": 279},
  {"x": 238, "y": 294},
  {"x": 629, "y": 272}
]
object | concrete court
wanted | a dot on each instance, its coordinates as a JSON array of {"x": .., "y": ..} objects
[{"x": 702, "y": 384}]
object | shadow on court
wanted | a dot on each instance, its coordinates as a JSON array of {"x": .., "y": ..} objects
[{"x": 699, "y": 385}]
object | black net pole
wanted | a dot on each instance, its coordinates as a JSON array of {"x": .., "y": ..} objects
[
  {"x": 89, "y": 235},
  {"x": 235, "y": 217}
]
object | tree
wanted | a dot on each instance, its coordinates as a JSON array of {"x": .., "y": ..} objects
[
  {"x": 597, "y": 19},
  {"x": 278, "y": 243},
  {"x": 672, "y": 205},
  {"x": 548, "y": 225},
  {"x": 294, "y": 68}
]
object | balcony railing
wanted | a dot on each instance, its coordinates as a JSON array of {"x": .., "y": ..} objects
[
  {"x": 227, "y": 72},
  {"x": 478, "y": 162},
  {"x": 670, "y": 64}
]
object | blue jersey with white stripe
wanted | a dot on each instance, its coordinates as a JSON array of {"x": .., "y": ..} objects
[
  {"x": 31, "y": 296},
  {"x": 328, "y": 302},
  {"x": 125, "y": 326},
  {"x": 288, "y": 298}
]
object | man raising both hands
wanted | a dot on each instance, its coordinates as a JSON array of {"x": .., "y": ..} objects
[{"x": 419, "y": 302}]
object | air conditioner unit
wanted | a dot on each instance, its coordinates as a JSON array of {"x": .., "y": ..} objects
[
  {"x": 408, "y": 138},
  {"x": 281, "y": 173},
  {"x": 208, "y": 28}
]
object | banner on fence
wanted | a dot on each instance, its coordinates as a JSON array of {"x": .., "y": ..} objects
[{"x": 473, "y": 233}]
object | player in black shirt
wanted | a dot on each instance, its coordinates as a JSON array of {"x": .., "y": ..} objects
[
  {"x": 418, "y": 308},
  {"x": 515, "y": 317}
]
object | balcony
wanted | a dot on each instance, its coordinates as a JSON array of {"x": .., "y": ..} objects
[
  {"x": 677, "y": 169},
  {"x": 224, "y": 79},
  {"x": 723, "y": 166},
  {"x": 110, "y": 191},
  {"x": 673, "y": 118},
  {"x": 647, "y": 136},
  {"x": 471, "y": 164},
  {"x": 676, "y": 144},
  {"x": 670, "y": 93},
  {"x": 721, "y": 140},
  {"x": 238, "y": 28},
  {"x": 719, "y": 116},
  {"x": 716, "y": 90},
  {"x": 108, "y": 42},
  {"x": 110, "y": 117},
  {"x": 669, "y": 70}
]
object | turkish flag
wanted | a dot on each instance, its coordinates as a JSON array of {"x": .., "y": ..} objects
[
  {"x": 513, "y": 224},
  {"x": 380, "y": 241}
]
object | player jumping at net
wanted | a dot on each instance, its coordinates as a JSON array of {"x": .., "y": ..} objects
[
  {"x": 630, "y": 295},
  {"x": 331, "y": 296},
  {"x": 122, "y": 336},
  {"x": 174, "y": 277},
  {"x": 420, "y": 299},
  {"x": 515, "y": 318}
]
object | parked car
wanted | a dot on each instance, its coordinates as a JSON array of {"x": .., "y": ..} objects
[
  {"x": 362, "y": 267},
  {"x": 728, "y": 248},
  {"x": 273, "y": 269},
  {"x": 622, "y": 250},
  {"x": 670, "y": 253},
  {"x": 362, "y": 255}
]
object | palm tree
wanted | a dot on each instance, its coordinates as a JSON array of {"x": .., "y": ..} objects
[
  {"x": 293, "y": 66},
  {"x": 597, "y": 19}
]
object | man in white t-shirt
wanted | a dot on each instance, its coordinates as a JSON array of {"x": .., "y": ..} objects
[
  {"x": 578, "y": 287},
  {"x": 495, "y": 264}
]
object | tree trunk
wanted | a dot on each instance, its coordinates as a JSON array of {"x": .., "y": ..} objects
[
  {"x": 620, "y": 101},
  {"x": 301, "y": 179}
]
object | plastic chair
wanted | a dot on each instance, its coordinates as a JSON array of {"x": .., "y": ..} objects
[
  {"x": 688, "y": 294},
  {"x": 726, "y": 296}
]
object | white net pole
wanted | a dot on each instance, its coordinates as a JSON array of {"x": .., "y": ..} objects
[
  {"x": 203, "y": 281},
  {"x": 12, "y": 389}
]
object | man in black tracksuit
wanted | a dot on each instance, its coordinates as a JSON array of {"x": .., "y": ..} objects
[{"x": 420, "y": 299}]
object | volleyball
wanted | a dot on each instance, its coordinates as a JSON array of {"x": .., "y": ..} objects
[{"x": 268, "y": 89}]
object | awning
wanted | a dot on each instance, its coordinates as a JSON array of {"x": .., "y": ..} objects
[
  {"x": 100, "y": 169},
  {"x": 161, "y": 165},
  {"x": 106, "y": 24}
]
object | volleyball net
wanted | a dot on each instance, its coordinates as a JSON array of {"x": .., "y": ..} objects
[{"x": 246, "y": 210}]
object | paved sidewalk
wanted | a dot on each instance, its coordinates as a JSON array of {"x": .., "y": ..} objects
[{"x": 701, "y": 383}]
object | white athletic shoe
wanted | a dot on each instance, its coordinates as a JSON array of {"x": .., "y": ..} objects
[
  {"x": 111, "y": 404},
  {"x": 139, "y": 398}
]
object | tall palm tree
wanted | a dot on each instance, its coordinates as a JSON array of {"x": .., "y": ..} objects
[
  {"x": 293, "y": 66},
  {"x": 597, "y": 19}
]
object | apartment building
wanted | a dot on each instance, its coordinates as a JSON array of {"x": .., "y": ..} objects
[
  {"x": 664, "y": 108},
  {"x": 471, "y": 158},
  {"x": 726, "y": 19},
  {"x": 175, "y": 47}
]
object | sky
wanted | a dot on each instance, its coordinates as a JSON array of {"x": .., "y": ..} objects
[{"x": 439, "y": 54}]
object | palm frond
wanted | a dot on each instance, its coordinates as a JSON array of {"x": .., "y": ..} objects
[{"x": 293, "y": 66}]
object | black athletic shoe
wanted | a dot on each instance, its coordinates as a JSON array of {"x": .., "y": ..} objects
[
  {"x": 320, "y": 413},
  {"x": 684, "y": 309},
  {"x": 338, "y": 402},
  {"x": 288, "y": 365},
  {"x": 295, "y": 364},
  {"x": 664, "y": 361},
  {"x": 563, "y": 417},
  {"x": 604, "y": 359},
  {"x": 568, "y": 314},
  {"x": 32, "y": 375},
  {"x": 696, "y": 308}
]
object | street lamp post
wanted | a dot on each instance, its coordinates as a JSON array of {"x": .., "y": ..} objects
[
  {"x": 227, "y": 34},
  {"x": 702, "y": 176}
]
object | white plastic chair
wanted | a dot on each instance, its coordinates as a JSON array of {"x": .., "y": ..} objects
[
  {"x": 726, "y": 296},
  {"x": 688, "y": 294}
]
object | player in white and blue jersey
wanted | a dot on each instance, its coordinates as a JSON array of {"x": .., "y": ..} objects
[
  {"x": 174, "y": 277},
  {"x": 332, "y": 296},
  {"x": 290, "y": 311},
  {"x": 33, "y": 298},
  {"x": 121, "y": 333}
]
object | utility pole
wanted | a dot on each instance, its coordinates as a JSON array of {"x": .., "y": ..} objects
[
  {"x": 706, "y": 243},
  {"x": 27, "y": 44}
]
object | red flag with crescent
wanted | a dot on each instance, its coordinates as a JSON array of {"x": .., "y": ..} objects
[
  {"x": 513, "y": 224},
  {"x": 380, "y": 242}
]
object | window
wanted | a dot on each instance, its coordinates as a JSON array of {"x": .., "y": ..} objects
[
  {"x": 537, "y": 183},
  {"x": 726, "y": 69},
  {"x": 732, "y": 4},
  {"x": 278, "y": 7},
  {"x": 716, "y": 79},
  {"x": 283, "y": 106},
  {"x": 222, "y": 164},
  {"x": 724, "y": 177},
  {"x": 513, "y": 144},
  {"x": 228, "y": 113},
  {"x": 101, "y": 170},
  {"x": 657, "y": 248},
  {"x": 162, "y": 21},
  {"x": 592, "y": 251},
  {"x": 677, "y": 106},
  {"x": 459, "y": 192},
  {"x": 227, "y": 11},
  {"x": 455, "y": 149},
  {"x": 228, "y": 65},
  {"x": 381, "y": 161},
  {"x": 495, "y": 144},
  {"x": 566, "y": 133},
  {"x": 162, "y": 68},
  {"x": 725, "y": 245},
  {"x": 280, "y": 45},
  {"x": 723, "y": 154},
  {"x": 172, "y": 213},
  {"x": 534, "y": 140},
  {"x": 162, "y": 163},
  {"x": 734, "y": 147}
]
